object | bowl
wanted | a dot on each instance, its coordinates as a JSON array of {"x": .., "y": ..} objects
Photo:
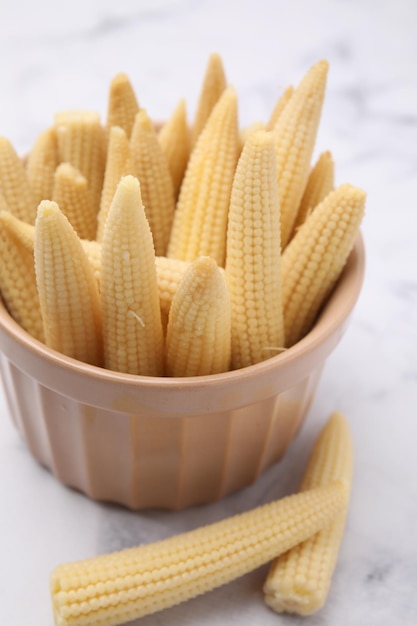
[{"x": 169, "y": 443}]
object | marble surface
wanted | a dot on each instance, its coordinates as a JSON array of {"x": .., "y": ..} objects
[{"x": 63, "y": 55}]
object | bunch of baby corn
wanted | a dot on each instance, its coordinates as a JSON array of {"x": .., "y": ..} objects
[
  {"x": 182, "y": 251},
  {"x": 306, "y": 529}
]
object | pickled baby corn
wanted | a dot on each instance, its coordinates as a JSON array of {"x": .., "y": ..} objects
[
  {"x": 200, "y": 221},
  {"x": 279, "y": 107},
  {"x": 299, "y": 580},
  {"x": 71, "y": 194},
  {"x": 198, "y": 338},
  {"x": 214, "y": 84},
  {"x": 295, "y": 134},
  {"x": 17, "y": 275},
  {"x": 41, "y": 165},
  {"x": 315, "y": 257},
  {"x": 119, "y": 587},
  {"x": 67, "y": 287},
  {"x": 14, "y": 184},
  {"x": 320, "y": 183},
  {"x": 118, "y": 164},
  {"x": 132, "y": 328},
  {"x": 253, "y": 260},
  {"x": 174, "y": 141},
  {"x": 122, "y": 105},
  {"x": 81, "y": 142},
  {"x": 150, "y": 166}
]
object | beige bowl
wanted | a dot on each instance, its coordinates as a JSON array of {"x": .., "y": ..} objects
[{"x": 166, "y": 442}]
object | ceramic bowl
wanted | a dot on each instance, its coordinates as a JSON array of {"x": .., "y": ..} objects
[{"x": 167, "y": 442}]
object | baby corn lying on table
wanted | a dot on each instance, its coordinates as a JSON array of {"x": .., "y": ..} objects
[{"x": 305, "y": 529}]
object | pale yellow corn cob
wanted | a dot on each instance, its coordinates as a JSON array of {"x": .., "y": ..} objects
[
  {"x": 17, "y": 276},
  {"x": 200, "y": 221},
  {"x": 246, "y": 132},
  {"x": 118, "y": 164},
  {"x": 169, "y": 273},
  {"x": 81, "y": 143},
  {"x": 132, "y": 328},
  {"x": 41, "y": 165},
  {"x": 320, "y": 183},
  {"x": 71, "y": 194},
  {"x": 122, "y": 104},
  {"x": 214, "y": 84},
  {"x": 21, "y": 231},
  {"x": 279, "y": 107},
  {"x": 93, "y": 252},
  {"x": 253, "y": 259},
  {"x": 295, "y": 133},
  {"x": 150, "y": 166},
  {"x": 299, "y": 580},
  {"x": 14, "y": 184},
  {"x": 198, "y": 338},
  {"x": 112, "y": 589},
  {"x": 68, "y": 292},
  {"x": 315, "y": 257},
  {"x": 174, "y": 141},
  {"x": 3, "y": 204}
]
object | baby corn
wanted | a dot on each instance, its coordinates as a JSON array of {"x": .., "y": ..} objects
[
  {"x": 279, "y": 107},
  {"x": 320, "y": 183},
  {"x": 174, "y": 141},
  {"x": 17, "y": 275},
  {"x": 122, "y": 105},
  {"x": 150, "y": 166},
  {"x": 41, "y": 165},
  {"x": 118, "y": 164},
  {"x": 199, "y": 334},
  {"x": 71, "y": 194},
  {"x": 14, "y": 184},
  {"x": 132, "y": 329},
  {"x": 315, "y": 257},
  {"x": 253, "y": 260},
  {"x": 200, "y": 222},
  {"x": 116, "y": 588},
  {"x": 67, "y": 287},
  {"x": 295, "y": 134},
  {"x": 81, "y": 143},
  {"x": 299, "y": 580},
  {"x": 214, "y": 84}
]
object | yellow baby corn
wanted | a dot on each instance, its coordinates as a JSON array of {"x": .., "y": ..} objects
[
  {"x": 295, "y": 133},
  {"x": 214, "y": 84},
  {"x": 118, "y": 164},
  {"x": 67, "y": 287},
  {"x": 17, "y": 275},
  {"x": 41, "y": 165},
  {"x": 279, "y": 107},
  {"x": 122, "y": 104},
  {"x": 200, "y": 221},
  {"x": 174, "y": 141},
  {"x": 253, "y": 259},
  {"x": 320, "y": 183},
  {"x": 198, "y": 338},
  {"x": 112, "y": 589},
  {"x": 150, "y": 166},
  {"x": 14, "y": 184},
  {"x": 246, "y": 132},
  {"x": 314, "y": 259},
  {"x": 299, "y": 580},
  {"x": 71, "y": 194},
  {"x": 132, "y": 329},
  {"x": 81, "y": 143},
  {"x": 3, "y": 204},
  {"x": 169, "y": 273}
]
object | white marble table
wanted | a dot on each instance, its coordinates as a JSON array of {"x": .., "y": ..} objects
[{"x": 57, "y": 56}]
